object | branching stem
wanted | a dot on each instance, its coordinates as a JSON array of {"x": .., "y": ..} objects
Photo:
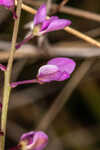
[{"x": 7, "y": 88}]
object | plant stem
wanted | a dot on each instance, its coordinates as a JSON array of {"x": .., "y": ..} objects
[
  {"x": 7, "y": 88},
  {"x": 14, "y": 84}
]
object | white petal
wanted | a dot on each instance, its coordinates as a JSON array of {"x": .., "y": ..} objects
[{"x": 47, "y": 69}]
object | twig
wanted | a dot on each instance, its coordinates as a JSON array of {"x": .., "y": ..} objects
[
  {"x": 82, "y": 36},
  {"x": 64, "y": 95},
  {"x": 94, "y": 32},
  {"x": 91, "y": 92},
  {"x": 68, "y": 29},
  {"x": 7, "y": 88},
  {"x": 18, "y": 66},
  {"x": 70, "y": 10},
  {"x": 27, "y": 8},
  {"x": 81, "y": 13},
  {"x": 60, "y": 6},
  {"x": 12, "y": 127},
  {"x": 73, "y": 50},
  {"x": 49, "y": 5}
]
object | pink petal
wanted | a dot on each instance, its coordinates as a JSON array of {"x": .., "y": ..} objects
[
  {"x": 47, "y": 22},
  {"x": 40, "y": 15},
  {"x": 47, "y": 69},
  {"x": 64, "y": 64},
  {"x": 36, "y": 140},
  {"x": 63, "y": 76},
  {"x": 49, "y": 77},
  {"x": 58, "y": 76},
  {"x": 28, "y": 136},
  {"x": 48, "y": 73},
  {"x": 1, "y": 2},
  {"x": 40, "y": 141},
  {"x": 58, "y": 24}
]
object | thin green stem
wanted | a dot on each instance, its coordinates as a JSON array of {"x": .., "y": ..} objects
[{"x": 7, "y": 88}]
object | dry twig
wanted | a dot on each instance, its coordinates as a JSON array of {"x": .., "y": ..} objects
[
  {"x": 61, "y": 49},
  {"x": 60, "y": 6},
  {"x": 70, "y": 10}
]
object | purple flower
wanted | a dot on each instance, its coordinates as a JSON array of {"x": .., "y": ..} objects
[
  {"x": 57, "y": 69},
  {"x": 33, "y": 141},
  {"x": 41, "y": 25}
]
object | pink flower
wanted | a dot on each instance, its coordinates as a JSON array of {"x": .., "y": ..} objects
[
  {"x": 42, "y": 25},
  {"x": 33, "y": 141},
  {"x": 57, "y": 69}
]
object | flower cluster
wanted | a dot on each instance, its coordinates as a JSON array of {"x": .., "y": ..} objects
[{"x": 56, "y": 69}]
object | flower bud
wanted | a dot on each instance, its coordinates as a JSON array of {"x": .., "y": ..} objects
[{"x": 33, "y": 141}]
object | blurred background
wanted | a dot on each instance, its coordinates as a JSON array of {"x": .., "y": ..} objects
[{"x": 69, "y": 111}]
